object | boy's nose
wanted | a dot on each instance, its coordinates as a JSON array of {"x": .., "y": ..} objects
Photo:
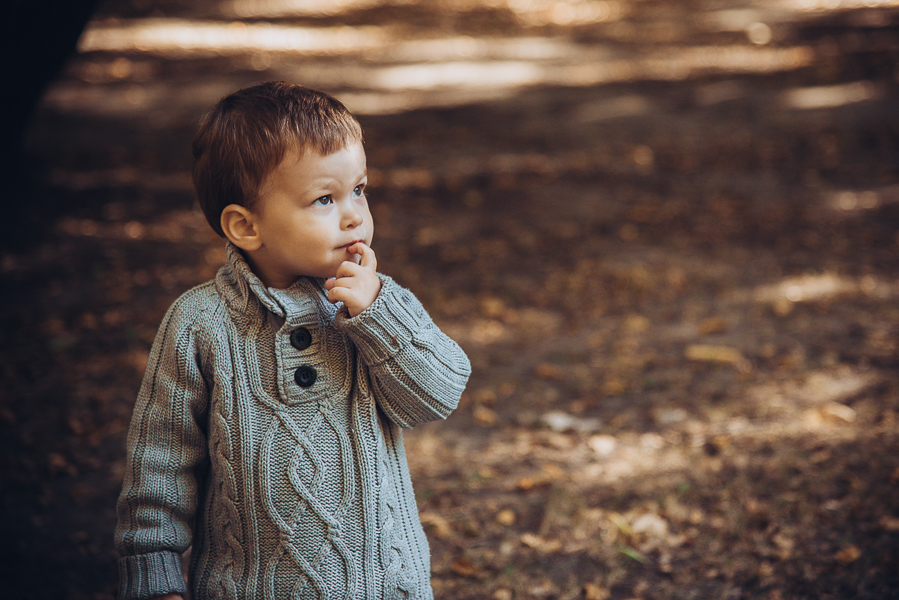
[{"x": 351, "y": 216}]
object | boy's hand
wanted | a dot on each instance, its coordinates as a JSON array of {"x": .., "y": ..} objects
[{"x": 356, "y": 286}]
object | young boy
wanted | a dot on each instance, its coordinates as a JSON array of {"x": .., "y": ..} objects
[{"x": 266, "y": 434}]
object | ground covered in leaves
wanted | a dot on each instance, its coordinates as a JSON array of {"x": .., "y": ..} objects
[{"x": 665, "y": 233}]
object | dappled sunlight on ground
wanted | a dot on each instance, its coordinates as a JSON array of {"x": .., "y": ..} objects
[
  {"x": 178, "y": 38},
  {"x": 457, "y": 70},
  {"x": 664, "y": 232}
]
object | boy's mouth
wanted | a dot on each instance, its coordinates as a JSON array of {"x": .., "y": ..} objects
[{"x": 353, "y": 243}]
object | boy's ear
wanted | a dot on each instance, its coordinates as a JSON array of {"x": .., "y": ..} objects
[{"x": 239, "y": 226}]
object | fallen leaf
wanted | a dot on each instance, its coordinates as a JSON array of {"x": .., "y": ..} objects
[
  {"x": 669, "y": 416},
  {"x": 848, "y": 554},
  {"x": 560, "y": 421},
  {"x": 650, "y": 525},
  {"x": 594, "y": 591},
  {"x": 438, "y": 525},
  {"x": 506, "y": 517},
  {"x": 486, "y": 473},
  {"x": 463, "y": 568},
  {"x": 712, "y": 325},
  {"x": 889, "y": 523},
  {"x": 543, "y": 588},
  {"x": 553, "y": 471},
  {"x": 785, "y": 545},
  {"x": 707, "y": 353},
  {"x": 614, "y": 386},
  {"x": 837, "y": 411},
  {"x": 532, "y": 540},
  {"x": 485, "y": 416},
  {"x": 492, "y": 307},
  {"x": 665, "y": 565},
  {"x": 485, "y": 396},
  {"x": 603, "y": 445},
  {"x": 58, "y": 464},
  {"x": 637, "y": 323},
  {"x": 549, "y": 371},
  {"x": 621, "y": 523}
]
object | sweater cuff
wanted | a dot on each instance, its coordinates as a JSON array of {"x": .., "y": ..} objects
[
  {"x": 149, "y": 575},
  {"x": 388, "y": 325}
]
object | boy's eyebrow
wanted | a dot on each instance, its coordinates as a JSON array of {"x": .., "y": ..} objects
[{"x": 326, "y": 181}]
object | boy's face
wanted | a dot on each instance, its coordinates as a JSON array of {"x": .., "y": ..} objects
[{"x": 310, "y": 210}]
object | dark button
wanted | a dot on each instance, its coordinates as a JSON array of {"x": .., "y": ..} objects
[
  {"x": 300, "y": 338},
  {"x": 305, "y": 376}
]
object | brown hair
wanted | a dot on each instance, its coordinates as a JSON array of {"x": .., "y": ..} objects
[{"x": 248, "y": 133}]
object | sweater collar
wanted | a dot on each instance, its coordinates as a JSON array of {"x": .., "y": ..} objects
[{"x": 245, "y": 292}]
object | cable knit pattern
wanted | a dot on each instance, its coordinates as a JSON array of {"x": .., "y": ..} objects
[{"x": 283, "y": 491}]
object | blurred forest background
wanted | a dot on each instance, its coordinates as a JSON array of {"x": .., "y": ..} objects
[{"x": 665, "y": 231}]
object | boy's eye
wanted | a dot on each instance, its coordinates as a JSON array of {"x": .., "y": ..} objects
[
  {"x": 324, "y": 200},
  {"x": 359, "y": 189}
]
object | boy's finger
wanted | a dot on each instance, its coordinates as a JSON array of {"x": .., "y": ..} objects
[
  {"x": 346, "y": 269},
  {"x": 368, "y": 259},
  {"x": 336, "y": 295},
  {"x": 342, "y": 282}
]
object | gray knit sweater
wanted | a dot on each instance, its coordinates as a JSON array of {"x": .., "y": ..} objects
[{"x": 266, "y": 435}]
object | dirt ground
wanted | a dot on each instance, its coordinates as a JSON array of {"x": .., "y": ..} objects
[{"x": 664, "y": 232}]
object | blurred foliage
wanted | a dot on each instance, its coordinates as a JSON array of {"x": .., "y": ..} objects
[{"x": 665, "y": 233}]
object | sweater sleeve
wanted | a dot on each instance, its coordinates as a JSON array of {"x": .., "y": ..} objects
[
  {"x": 417, "y": 372},
  {"x": 166, "y": 450}
]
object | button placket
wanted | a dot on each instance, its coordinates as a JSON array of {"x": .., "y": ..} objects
[
  {"x": 300, "y": 338},
  {"x": 305, "y": 375}
]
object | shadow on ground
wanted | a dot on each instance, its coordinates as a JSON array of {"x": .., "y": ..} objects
[{"x": 669, "y": 246}]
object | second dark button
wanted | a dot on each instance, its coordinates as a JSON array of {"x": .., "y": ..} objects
[
  {"x": 300, "y": 338},
  {"x": 305, "y": 376}
]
